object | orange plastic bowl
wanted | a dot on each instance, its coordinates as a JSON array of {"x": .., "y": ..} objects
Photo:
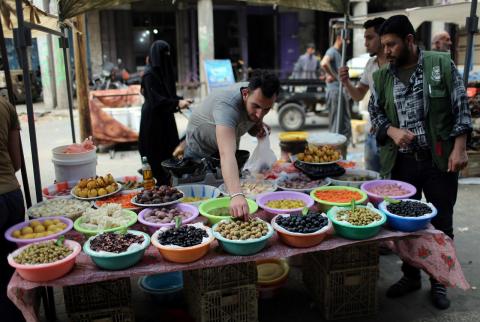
[
  {"x": 46, "y": 272},
  {"x": 299, "y": 240},
  {"x": 183, "y": 254}
]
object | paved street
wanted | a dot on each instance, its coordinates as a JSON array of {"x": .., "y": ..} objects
[{"x": 53, "y": 130}]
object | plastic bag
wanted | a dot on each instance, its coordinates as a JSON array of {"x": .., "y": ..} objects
[{"x": 262, "y": 157}]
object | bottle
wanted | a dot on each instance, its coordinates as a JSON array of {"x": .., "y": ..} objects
[{"x": 148, "y": 182}]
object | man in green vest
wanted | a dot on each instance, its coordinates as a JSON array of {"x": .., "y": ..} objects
[{"x": 420, "y": 111}]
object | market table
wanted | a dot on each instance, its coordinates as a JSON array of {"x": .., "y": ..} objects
[{"x": 429, "y": 249}]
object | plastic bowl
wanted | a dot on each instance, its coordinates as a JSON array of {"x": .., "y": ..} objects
[
  {"x": 152, "y": 227},
  {"x": 90, "y": 233},
  {"x": 183, "y": 254},
  {"x": 344, "y": 181},
  {"x": 408, "y": 224},
  {"x": 376, "y": 199},
  {"x": 263, "y": 199},
  {"x": 326, "y": 205},
  {"x": 209, "y": 205},
  {"x": 300, "y": 240},
  {"x": 46, "y": 272},
  {"x": 164, "y": 288},
  {"x": 22, "y": 242},
  {"x": 272, "y": 272},
  {"x": 198, "y": 190},
  {"x": 243, "y": 247},
  {"x": 52, "y": 191},
  {"x": 349, "y": 231},
  {"x": 113, "y": 261}
]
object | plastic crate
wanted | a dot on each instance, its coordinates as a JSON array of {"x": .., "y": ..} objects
[
  {"x": 235, "y": 304},
  {"x": 354, "y": 256},
  {"x": 341, "y": 294},
  {"x": 215, "y": 278},
  {"x": 101, "y": 295},
  {"x": 118, "y": 314}
]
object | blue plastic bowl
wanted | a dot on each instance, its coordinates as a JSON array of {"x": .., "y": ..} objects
[
  {"x": 243, "y": 247},
  {"x": 117, "y": 261},
  {"x": 407, "y": 224},
  {"x": 164, "y": 288}
]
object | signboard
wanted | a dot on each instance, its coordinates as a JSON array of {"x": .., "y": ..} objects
[{"x": 219, "y": 73}]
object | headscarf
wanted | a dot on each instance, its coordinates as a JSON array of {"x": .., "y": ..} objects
[{"x": 160, "y": 65}]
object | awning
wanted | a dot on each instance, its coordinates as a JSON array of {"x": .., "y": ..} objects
[
  {"x": 30, "y": 13},
  {"x": 449, "y": 13},
  {"x": 319, "y": 5}
]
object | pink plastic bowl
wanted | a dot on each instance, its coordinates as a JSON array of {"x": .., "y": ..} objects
[
  {"x": 152, "y": 227},
  {"x": 376, "y": 199},
  {"x": 23, "y": 242},
  {"x": 262, "y": 200},
  {"x": 46, "y": 272}
]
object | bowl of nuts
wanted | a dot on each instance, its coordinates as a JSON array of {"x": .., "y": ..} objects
[
  {"x": 357, "y": 222},
  {"x": 45, "y": 261},
  {"x": 242, "y": 237},
  {"x": 155, "y": 218}
]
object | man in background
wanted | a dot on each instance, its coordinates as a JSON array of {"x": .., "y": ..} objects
[
  {"x": 441, "y": 41},
  {"x": 330, "y": 63},
  {"x": 307, "y": 65},
  {"x": 377, "y": 60}
]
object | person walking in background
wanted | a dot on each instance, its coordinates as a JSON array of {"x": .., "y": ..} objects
[
  {"x": 377, "y": 60},
  {"x": 330, "y": 63},
  {"x": 158, "y": 135},
  {"x": 307, "y": 65},
  {"x": 422, "y": 136},
  {"x": 12, "y": 210},
  {"x": 441, "y": 41}
]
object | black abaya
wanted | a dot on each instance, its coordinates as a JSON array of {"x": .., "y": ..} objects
[{"x": 158, "y": 136}]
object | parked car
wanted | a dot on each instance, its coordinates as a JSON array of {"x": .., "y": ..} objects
[{"x": 18, "y": 87}]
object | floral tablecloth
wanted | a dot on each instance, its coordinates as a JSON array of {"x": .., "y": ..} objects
[{"x": 429, "y": 249}]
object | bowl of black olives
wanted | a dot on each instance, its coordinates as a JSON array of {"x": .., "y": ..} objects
[
  {"x": 302, "y": 230},
  {"x": 407, "y": 214}
]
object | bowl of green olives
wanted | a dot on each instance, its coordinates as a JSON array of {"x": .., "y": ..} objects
[
  {"x": 242, "y": 237},
  {"x": 45, "y": 261},
  {"x": 361, "y": 222}
]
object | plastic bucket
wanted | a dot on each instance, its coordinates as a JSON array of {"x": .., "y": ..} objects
[{"x": 74, "y": 166}]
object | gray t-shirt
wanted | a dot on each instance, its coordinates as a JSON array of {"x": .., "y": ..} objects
[
  {"x": 222, "y": 107},
  {"x": 335, "y": 63}
]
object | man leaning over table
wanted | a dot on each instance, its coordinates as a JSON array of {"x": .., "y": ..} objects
[{"x": 422, "y": 119}]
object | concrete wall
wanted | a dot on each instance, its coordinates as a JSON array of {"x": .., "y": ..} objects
[{"x": 95, "y": 42}]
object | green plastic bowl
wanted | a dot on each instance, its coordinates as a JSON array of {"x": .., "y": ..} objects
[
  {"x": 349, "y": 231},
  {"x": 120, "y": 261},
  {"x": 209, "y": 205},
  {"x": 243, "y": 247},
  {"x": 90, "y": 233},
  {"x": 326, "y": 205}
]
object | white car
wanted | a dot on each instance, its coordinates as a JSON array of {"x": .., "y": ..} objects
[{"x": 357, "y": 64}]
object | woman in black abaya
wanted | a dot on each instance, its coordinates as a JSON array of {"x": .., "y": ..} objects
[{"x": 158, "y": 136}]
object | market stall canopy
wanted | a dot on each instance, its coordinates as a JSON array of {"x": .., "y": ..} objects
[
  {"x": 319, "y": 5},
  {"x": 31, "y": 14},
  {"x": 450, "y": 13},
  {"x": 71, "y": 8}
]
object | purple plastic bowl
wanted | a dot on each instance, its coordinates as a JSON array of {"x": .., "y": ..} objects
[
  {"x": 152, "y": 227},
  {"x": 23, "y": 242},
  {"x": 263, "y": 198},
  {"x": 376, "y": 199}
]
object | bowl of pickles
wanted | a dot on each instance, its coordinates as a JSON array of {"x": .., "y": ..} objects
[
  {"x": 284, "y": 202},
  {"x": 216, "y": 210},
  {"x": 195, "y": 194}
]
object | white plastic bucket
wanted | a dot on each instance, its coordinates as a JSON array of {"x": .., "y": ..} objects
[{"x": 74, "y": 166}]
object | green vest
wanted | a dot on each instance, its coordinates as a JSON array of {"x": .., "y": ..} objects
[{"x": 437, "y": 86}]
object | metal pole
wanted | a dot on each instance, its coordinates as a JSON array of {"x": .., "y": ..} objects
[
  {"x": 11, "y": 98},
  {"x": 340, "y": 88},
  {"x": 472, "y": 29},
  {"x": 64, "y": 45},
  {"x": 21, "y": 43}
]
